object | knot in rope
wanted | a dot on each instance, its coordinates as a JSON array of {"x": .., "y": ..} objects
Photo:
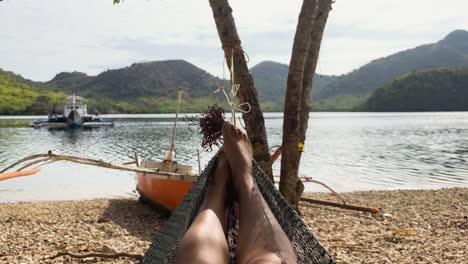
[{"x": 231, "y": 96}]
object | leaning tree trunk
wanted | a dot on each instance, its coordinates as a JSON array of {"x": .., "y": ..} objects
[
  {"x": 320, "y": 20},
  {"x": 254, "y": 122},
  {"x": 292, "y": 106}
]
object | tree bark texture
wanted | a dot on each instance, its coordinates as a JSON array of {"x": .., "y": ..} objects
[
  {"x": 289, "y": 180},
  {"x": 254, "y": 121},
  {"x": 320, "y": 20}
]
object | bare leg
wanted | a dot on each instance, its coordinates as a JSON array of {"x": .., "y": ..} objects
[
  {"x": 261, "y": 238},
  {"x": 205, "y": 241}
]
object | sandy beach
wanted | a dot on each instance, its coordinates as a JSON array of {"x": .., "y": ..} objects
[{"x": 416, "y": 226}]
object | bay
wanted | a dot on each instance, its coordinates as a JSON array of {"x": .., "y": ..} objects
[{"x": 347, "y": 151}]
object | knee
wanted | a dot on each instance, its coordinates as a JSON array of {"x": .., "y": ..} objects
[
  {"x": 201, "y": 239},
  {"x": 266, "y": 258},
  {"x": 199, "y": 247}
]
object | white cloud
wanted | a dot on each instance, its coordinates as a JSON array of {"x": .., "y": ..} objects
[{"x": 41, "y": 38}]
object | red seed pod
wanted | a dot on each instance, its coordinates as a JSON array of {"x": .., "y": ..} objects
[{"x": 211, "y": 124}]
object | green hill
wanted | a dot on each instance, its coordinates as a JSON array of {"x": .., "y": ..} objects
[
  {"x": 452, "y": 51},
  {"x": 270, "y": 80},
  {"x": 151, "y": 87},
  {"x": 442, "y": 89},
  {"x": 21, "y": 96},
  {"x": 65, "y": 81},
  {"x": 346, "y": 91},
  {"x": 148, "y": 87},
  {"x": 140, "y": 88},
  {"x": 152, "y": 79}
]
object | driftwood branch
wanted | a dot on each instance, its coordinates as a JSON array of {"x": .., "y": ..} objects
[
  {"x": 309, "y": 179},
  {"x": 306, "y": 179},
  {"x": 344, "y": 206},
  {"x": 327, "y": 203},
  {"x": 100, "y": 255}
]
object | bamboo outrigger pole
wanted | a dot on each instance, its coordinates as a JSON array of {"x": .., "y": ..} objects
[{"x": 50, "y": 157}]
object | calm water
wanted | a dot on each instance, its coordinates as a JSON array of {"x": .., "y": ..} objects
[{"x": 348, "y": 151}]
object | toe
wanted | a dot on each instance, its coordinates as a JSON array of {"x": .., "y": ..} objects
[
  {"x": 234, "y": 131},
  {"x": 239, "y": 133},
  {"x": 226, "y": 128}
]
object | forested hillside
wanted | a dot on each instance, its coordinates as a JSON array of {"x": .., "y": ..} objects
[
  {"x": 148, "y": 87},
  {"x": 151, "y": 87},
  {"x": 21, "y": 96},
  {"x": 270, "y": 80},
  {"x": 442, "y": 89},
  {"x": 345, "y": 92},
  {"x": 452, "y": 51}
]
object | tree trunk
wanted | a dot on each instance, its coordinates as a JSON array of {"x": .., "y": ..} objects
[
  {"x": 320, "y": 20},
  {"x": 291, "y": 153},
  {"x": 254, "y": 122}
]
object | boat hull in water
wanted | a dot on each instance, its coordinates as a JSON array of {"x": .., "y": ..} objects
[
  {"x": 162, "y": 190},
  {"x": 74, "y": 120}
]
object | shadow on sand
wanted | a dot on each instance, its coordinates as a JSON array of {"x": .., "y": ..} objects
[{"x": 140, "y": 220}]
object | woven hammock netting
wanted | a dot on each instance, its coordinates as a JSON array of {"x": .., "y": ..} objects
[{"x": 305, "y": 245}]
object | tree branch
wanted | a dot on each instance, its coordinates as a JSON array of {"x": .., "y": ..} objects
[{"x": 98, "y": 254}]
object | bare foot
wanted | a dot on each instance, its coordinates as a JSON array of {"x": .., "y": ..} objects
[
  {"x": 239, "y": 154},
  {"x": 261, "y": 239}
]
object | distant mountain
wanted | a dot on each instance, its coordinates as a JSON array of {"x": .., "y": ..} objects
[
  {"x": 346, "y": 91},
  {"x": 443, "y": 89},
  {"x": 270, "y": 80},
  {"x": 152, "y": 79},
  {"x": 65, "y": 81},
  {"x": 452, "y": 51},
  {"x": 152, "y": 86},
  {"x": 149, "y": 87},
  {"x": 142, "y": 87}
]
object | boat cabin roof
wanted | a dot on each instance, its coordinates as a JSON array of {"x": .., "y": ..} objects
[
  {"x": 77, "y": 106},
  {"x": 78, "y": 99}
]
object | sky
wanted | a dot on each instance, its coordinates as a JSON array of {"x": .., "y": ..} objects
[{"x": 39, "y": 39}]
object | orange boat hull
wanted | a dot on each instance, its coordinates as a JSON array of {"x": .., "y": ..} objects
[{"x": 168, "y": 193}]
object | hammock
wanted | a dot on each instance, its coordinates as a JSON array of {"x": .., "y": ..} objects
[{"x": 305, "y": 245}]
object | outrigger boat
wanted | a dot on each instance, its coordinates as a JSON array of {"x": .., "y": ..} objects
[
  {"x": 165, "y": 190},
  {"x": 75, "y": 115}
]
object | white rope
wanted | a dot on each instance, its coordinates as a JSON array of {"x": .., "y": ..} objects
[
  {"x": 230, "y": 98},
  {"x": 233, "y": 93}
]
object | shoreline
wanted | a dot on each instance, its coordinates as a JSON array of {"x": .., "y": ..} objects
[
  {"x": 310, "y": 194},
  {"x": 416, "y": 226}
]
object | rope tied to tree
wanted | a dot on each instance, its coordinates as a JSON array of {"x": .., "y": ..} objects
[
  {"x": 235, "y": 47},
  {"x": 232, "y": 94}
]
